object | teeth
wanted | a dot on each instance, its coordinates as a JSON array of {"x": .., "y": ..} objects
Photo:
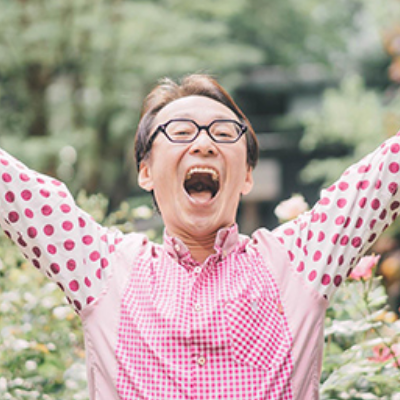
[{"x": 201, "y": 170}]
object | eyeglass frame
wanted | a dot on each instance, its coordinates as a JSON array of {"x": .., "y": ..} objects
[{"x": 162, "y": 128}]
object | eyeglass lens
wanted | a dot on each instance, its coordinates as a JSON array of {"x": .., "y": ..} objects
[{"x": 223, "y": 131}]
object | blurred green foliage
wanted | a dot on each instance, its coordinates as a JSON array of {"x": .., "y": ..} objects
[{"x": 73, "y": 73}]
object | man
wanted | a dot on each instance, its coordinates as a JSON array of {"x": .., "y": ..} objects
[{"x": 210, "y": 314}]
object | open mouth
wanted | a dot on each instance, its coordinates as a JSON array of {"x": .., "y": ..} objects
[{"x": 202, "y": 183}]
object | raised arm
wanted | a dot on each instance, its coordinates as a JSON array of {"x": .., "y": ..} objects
[
  {"x": 39, "y": 214},
  {"x": 327, "y": 242}
]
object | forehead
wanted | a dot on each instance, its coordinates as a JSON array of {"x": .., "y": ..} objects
[{"x": 199, "y": 108}]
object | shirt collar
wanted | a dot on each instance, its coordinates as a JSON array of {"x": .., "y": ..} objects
[{"x": 226, "y": 241}]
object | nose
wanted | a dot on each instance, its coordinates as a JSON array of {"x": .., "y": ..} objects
[{"x": 203, "y": 144}]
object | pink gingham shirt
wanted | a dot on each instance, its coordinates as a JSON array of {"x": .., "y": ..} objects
[{"x": 245, "y": 324}]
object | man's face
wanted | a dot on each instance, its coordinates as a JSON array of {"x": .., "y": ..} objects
[{"x": 197, "y": 185}]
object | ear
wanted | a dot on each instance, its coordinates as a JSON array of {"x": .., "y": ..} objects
[
  {"x": 248, "y": 183},
  {"x": 145, "y": 179}
]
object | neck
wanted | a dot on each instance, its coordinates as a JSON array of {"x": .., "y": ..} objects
[{"x": 200, "y": 247}]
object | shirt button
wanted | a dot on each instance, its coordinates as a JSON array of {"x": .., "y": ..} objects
[
  {"x": 198, "y": 307},
  {"x": 201, "y": 361},
  {"x": 177, "y": 248},
  {"x": 197, "y": 270}
]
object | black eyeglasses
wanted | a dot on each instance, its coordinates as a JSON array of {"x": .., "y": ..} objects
[{"x": 184, "y": 130}]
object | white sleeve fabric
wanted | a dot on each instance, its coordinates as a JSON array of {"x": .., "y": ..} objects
[
  {"x": 325, "y": 243},
  {"x": 39, "y": 214}
]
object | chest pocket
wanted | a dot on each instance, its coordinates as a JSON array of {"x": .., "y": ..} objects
[{"x": 257, "y": 332}]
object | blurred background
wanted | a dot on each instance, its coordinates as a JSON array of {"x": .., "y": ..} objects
[{"x": 318, "y": 79}]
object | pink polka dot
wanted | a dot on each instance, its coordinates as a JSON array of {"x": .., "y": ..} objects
[
  {"x": 344, "y": 240},
  {"x": 21, "y": 242},
  {"x": 82, "y": 222},
  {"x": 305, "y": 250},
  {"x": 88, "y": 282},
  {"x": 3, "y": 161},
  {"x": 312, "y": 275},
  {"x": 291, "y": 255},
  {"x": 372, "y": 238},
  {"x": 36, "y": 263},
  {"x": 341, "y": 203},
  {"x": 362, "y": 185},
  {"x": 381, "y": 166},
  {"x": 383, "y": 214},
  {"x": 343, "y": 186},
  {"x": 55, "y": 268},
  {"x": 13, "y": 216},
  {"x": 62, "y": 194},
  {"x": 89, "y": 300},
  {"x": 24, "y": 177},
  {"x": 356, "y": 242},
  {"x": 71, "y": 264},
  {"x": 46, "y": 210},
  {"x": 321, "y": 236},
  {"x": 339, "y": 220},
  {"x": 378, "y": 184},
  {"x": 337, "y": 280},
  {"x": 44, "y": 193},
  {"x": 395, "y": 205},
  {"x": 349, "y": 272},
  {"x": 359, "y": 222},
  {"x": 347, "y": 223},
  {"x": 74, "y": 285},
  {"x": 299, "y": 242},
  {"x": 394, "y": 167},
  {"x": 324, "y": 217},
  {"x": 364, "y": 168},
  {"x": 335, "y": 238},
  {"x": 36, "y": 251},
  {"x": 69, "y": 244},
  {"x": 314, "y": 217},
  {"x": 26, "y": 195},
  {"x": 395, "y": 148},
  {"x": 331, "y": 188},
  {"x": 288, "y": 232},
  {"x": 8, "y": 234},
  {"x": 394, "y": 216},
  {"x": 78, "y": 305},
  {"x": 67, "y": 225},
  {"x": 40, "y": 180},
  {"x": 10, "y": 197},
  {"x": 300, "y": 267},
  {"x": 6, "y": 177},
  {"x": 375, "y": 204},
  {"x": 111, "y": 248},
  {"x": 326, "y": 279},
  {"x": 52, "y": 249},
  {"x": 48, "y": 230},
  {"x": 87, "y": 239},
  {"x": 372, "y": 224},
  {"x": 362, "y": 202},
  {"x": 393, "y": 187},
  {"x": 94, "y": 256},
  {"x": 310, "y": 235},
  {"x": 104, "y": 263},
  {"x": 32, "y": 232},
  {"x": 29, "y": 213},
  {"x": 65, "y": 208},
  {"x": 324, "y": 201},
  {"x": 317, "y": 255},
  {"x": 98, "y": 273}
]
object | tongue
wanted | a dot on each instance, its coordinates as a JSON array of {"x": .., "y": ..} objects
[{"x": 202, "y": 196}]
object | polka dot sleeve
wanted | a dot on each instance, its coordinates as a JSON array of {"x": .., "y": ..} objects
[
  {"x": 325, "y": 243},
  {"x": 39, "y": 214}
]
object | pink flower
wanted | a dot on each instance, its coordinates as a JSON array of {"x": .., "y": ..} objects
[
  {"x": 383, "y": 353},
  {"x": 363, "y": 270},
  {"x": 291, "y": 208}
]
